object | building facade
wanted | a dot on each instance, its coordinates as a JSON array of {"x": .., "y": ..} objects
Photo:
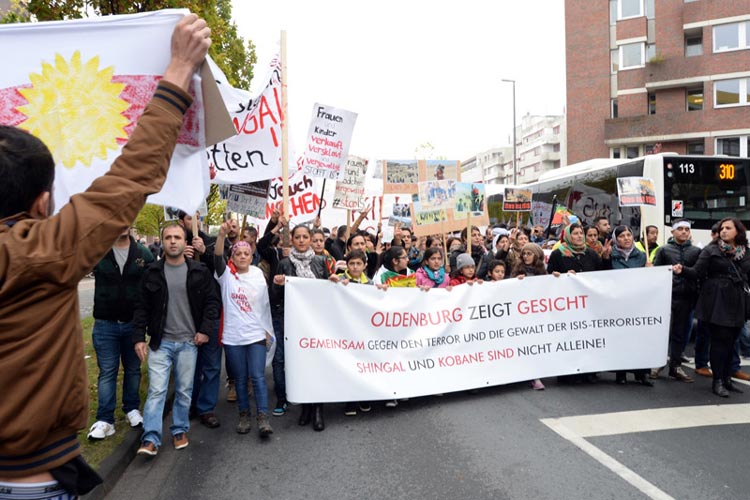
[
  {"x": 488, "y": 166},
  {"x": 646, "y": 76},
  {"x": 540, "y": 146}
]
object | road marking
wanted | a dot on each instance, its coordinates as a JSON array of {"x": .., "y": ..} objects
[
  {"x": 743, "y": 362},
  {"x": 577, "y": 429}
]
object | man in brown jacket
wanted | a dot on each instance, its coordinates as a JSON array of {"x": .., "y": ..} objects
[{"x": 42, "y": 259}]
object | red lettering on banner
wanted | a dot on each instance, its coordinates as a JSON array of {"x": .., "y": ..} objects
[
  {"x": 407, "y": 319},
  {"x": 537, "y": 306}
]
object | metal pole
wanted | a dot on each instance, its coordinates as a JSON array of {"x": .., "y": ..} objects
[{"x": 515, "y": 169}]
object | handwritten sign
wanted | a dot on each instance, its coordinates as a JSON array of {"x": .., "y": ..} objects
[
  {"x": 350, "y": 188},
  {"x": 254, "y": 154},
  {"x": 328, "y": 141},
  {"x": 247, "y": 199}
]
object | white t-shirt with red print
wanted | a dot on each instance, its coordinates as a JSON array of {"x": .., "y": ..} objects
[{"x": 247, "y": 310}]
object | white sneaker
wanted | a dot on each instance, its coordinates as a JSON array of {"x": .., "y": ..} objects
[
  {"x": 101, "y": 430},
  {"x": 134, "y": 418}
]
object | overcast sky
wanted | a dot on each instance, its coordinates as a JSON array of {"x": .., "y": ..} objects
[{"x": 415, "y": 71}]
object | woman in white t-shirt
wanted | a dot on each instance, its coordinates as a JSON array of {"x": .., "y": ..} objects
[{"x": 247, "y": 328}]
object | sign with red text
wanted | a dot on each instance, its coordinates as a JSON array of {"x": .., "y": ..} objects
[
  {"x": 516, "y": 200},
  {"x": 328, "y": 141},
  {"x": 350, "y": 188},
  {"x": 635, "y": 191},
  {"x": 405, "y": 343},
  {"x": 254, "y": 154},
  {"x": 304, "y": 198}
]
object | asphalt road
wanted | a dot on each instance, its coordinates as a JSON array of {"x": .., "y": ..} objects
[{"x": 508, "y": 442}]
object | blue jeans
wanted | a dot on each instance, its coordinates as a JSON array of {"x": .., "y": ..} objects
[
  {"x": 183, "y": 356},
  {"x": 702, "y": 344},
  {"x": 207, "y": 374},
  {"x": 279, "y": 378},
  {"x": 112, "y": 343},
  {"x": 249, "y": 361}
]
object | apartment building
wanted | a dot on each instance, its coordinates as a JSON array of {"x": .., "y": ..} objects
[{"x": 657, "y": 75}]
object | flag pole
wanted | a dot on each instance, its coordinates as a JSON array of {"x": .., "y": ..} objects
[
  {"x": 551, "y": 216},
  {"x": 284, "y": 137}
]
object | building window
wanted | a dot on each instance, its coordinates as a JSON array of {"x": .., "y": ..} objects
[
  {"x": 632, "y": 55},
  {"x": 632, "y": 152},
  {"x": 652, "y": 103},
  {"x": 696, "y": 148},
  {"x": 615, "y": 153},
  {"x": 730, "y": 146},
  {"x": 731, "y": 92},
  {"x": 629, "y": 8},
  {"x": 732, "y": 36},
  {"x": 695, "y": 100},
  {"x": 694, "y": 45},
  {"x": 555, "y": 148},
  {"x": 613, "y": 108}
]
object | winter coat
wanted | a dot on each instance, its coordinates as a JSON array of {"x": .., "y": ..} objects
[
  {"x": 617, "y": 260},
  {"x": 424, "y": 280},
  {"x": 722, "y": 300},
  {"x": 286, "y": 267},
  {"x": 584, "y": 262},
  {"x": 683, "y": 288}
]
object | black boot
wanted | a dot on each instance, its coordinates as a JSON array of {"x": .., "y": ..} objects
[
  {"x": 719, "y": 389},
  {"x": 640, "y": 377},
  {"x": 730, "y": 386},
  {"x": 621, "y": 378},
  {"x": 318, "y": 423},
  {"x": 306, "y": 415}
]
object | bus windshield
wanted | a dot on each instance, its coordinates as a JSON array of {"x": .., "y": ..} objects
[{"x": 706, "y": 190}]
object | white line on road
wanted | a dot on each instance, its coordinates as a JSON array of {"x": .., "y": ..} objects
[{"x": 576, "y": 429}]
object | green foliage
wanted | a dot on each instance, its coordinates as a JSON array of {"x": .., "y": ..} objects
[
  {"x": 216, "y": 207},
  {"x": 150, "y": 220}
]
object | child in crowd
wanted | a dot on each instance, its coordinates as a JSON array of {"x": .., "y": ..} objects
[
  {"x": 496, "y": 270},
  {"x": 431, "y": 273},
  {"x": 465, "y": 271},
  {"x": 248, "y": 328}
]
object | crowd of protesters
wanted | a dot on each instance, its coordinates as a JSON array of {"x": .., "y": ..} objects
[{"x": 249, "y": 276}]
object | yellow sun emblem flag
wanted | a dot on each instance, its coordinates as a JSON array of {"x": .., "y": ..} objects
[{"x": 75, "y": 109}]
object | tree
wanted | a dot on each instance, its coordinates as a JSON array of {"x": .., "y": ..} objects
[{"x": 229, "y": 50}]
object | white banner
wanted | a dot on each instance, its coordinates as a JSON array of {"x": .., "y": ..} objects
[
  {"x": 350, "y": 188},
  {"x": 254, "y": 154},
  {"x": 328, "y": 141},
  {"x": 80, "y": 86},
  {"x": 404, "y": 342}
]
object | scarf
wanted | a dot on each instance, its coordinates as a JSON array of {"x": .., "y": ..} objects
[
  {"x": 596, "y": 247},
  {"x": 735, "y": 253},
  {"x": 567, "y": 247},
  {"x": 301, "y": 261},
  {"x": 625, "y": 252},
  {"x": 436, "y": 276}
]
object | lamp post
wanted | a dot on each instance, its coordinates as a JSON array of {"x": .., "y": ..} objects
[{"x": 515, "y": 170}]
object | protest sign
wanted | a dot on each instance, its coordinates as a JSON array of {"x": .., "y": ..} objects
[
  {"x": 403, "y": 176},
  {"x": 254, "y": 152},
  {"x": 517, "y": 200},
  {"x": 63, "y": 77},
  {"x": 328, "y": 141},
  {"x": 304, "y": 197},
  {"x": 350, "y": 188},
  {"x": 424, "y": 217},
  {"x": 404, "y": 343},
  {"x": 469, "y": 198},
  {"x": 635, "y": 191},
  {"x": 437, "y": 194},
  {"x": 247, "y": 199}
]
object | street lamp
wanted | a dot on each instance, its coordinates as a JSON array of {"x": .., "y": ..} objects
[{"x": 515, "y": 170}]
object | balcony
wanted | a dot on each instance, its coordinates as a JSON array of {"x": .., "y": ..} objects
[{"x": 672, "y": 71}]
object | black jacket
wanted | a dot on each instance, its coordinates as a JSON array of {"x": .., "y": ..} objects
[
  {"x": 587, "y": 261},
  {"x": 684, "y": 286},
  {"x": 115, "y": 294},
  {"x": 286, "y": 267},
  {"x": 151, "y": 306},
  {"x": 721, "y": 300}
]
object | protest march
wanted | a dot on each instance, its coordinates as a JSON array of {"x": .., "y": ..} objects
[{"x": 334, "y": 282}]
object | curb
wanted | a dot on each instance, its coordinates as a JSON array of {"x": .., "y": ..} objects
[{"x": 113, "y": 467}]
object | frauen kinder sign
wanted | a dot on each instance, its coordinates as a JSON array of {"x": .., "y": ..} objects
[{"x": 404, "y": 343}]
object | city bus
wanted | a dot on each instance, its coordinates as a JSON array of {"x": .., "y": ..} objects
[{"x": 702, "y": 189}]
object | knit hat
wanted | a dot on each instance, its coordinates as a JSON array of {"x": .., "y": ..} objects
[
  {"x": 535, "y": 249},
  {"x": 464, "y": 260}
]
